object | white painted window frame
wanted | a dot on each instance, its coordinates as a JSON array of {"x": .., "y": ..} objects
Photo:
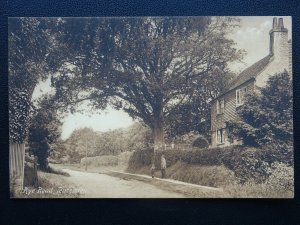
[
  {"x": 239, "y": 95},
  {"x": 238, "y": 99}
]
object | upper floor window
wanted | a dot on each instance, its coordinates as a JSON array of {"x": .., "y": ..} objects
[
  {"x": 220, "y": 106},
  {"x": 240, "y": 94}
]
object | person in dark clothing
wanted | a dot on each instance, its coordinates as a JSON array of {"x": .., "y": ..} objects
[{"x": 152, "y": 170}]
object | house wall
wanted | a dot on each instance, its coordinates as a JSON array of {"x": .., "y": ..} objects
[
  {"x": 281, "y": 59},
  {"x": 218, "y": 120}
]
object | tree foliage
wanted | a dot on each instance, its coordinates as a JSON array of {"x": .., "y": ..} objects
[
  {"x": 149, "y": 67},
  {"x": 33, "y": 53},
  {"x": 44, "y": 130},
  {"x": 112, "y": 142},
  {"x": 267, "y": 118},
  {"x": 81, "y": 142},
  {"x": 162, "y": 70}
]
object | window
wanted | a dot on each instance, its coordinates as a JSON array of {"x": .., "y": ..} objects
[
  {"x": 238, "y": 97},
  {"x": 239, "y": 94},
  {"x": 220, "y": 106},
  {"x": 220, "y": 136}
]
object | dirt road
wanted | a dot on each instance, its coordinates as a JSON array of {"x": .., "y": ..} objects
[{"x": 94, "y": 185}]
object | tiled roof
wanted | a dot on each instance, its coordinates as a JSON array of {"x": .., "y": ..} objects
[{"x": 247, "y": 74}]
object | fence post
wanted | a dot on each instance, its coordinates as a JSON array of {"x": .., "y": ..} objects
[
  {"x": 23, "y": 172},
  {"x": 17, "y": 161}
]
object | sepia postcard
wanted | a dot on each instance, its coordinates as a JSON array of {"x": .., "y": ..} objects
[{"x": 151, "y": 107}]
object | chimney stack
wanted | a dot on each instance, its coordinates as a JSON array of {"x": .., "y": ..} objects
[
  {"x": 274, "y": 22},
  {"x": 280, "y": 24},
  {"x": 278, "y": 37}
]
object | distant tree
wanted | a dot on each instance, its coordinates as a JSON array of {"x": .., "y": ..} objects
[
  {"x": 137, "y": 137},
  {"x": 44, "y": 130},
  {"x": 80, "y": 142},
  {"x": 267, "y": 118},
  {"x": 148, "y": 67},
  {"x": 112, "y": 142},
  {"x": 58, "y": 150}
]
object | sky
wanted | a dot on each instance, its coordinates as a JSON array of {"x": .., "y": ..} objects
[{"x": 252, "y": 36}]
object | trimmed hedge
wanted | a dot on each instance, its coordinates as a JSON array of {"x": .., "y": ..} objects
[
  {"x": 105, "y": 160},
  {"x": 204, "y": 157},
  {"x": 214, "y": 176},
  {"x": 246, "y": 163},
  {"x": 139, "y": 159}
]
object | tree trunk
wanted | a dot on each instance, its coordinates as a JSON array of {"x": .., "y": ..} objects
[{"x": 158, "y": 137}]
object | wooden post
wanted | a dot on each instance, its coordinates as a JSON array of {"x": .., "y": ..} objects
[{"x": 23, "y": 172}]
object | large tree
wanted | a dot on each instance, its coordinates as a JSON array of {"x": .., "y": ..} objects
[
  {"x": 148, "y": 67},
  {"x": 33, "y": 53}
]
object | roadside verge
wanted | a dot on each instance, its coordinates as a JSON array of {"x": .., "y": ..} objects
[{"x": 187, "y": 189}]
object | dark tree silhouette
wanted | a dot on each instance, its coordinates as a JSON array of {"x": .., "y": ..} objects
[{"x": 148, "y": 67}]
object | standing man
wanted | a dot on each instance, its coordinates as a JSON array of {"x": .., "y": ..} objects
[{"x": 163, "y": 166}]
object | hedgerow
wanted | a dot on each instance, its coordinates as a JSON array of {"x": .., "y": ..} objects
[{"x": 246, "y": 163}]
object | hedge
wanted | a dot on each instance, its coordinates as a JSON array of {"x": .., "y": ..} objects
[{"x": 246, "y": 163}]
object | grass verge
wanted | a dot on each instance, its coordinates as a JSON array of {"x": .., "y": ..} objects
[{"x": 49, "y": 185}]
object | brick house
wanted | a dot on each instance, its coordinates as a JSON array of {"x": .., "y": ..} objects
[{"x": 224, "y": 106}]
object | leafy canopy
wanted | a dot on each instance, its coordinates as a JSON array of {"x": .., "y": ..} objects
[
  {"x": 267, "y": 117},
  {"x": 33, "y": 53},
  {"x": 149, "y": 67}
]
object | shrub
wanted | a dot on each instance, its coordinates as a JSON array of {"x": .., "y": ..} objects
[
  {"x": 214, "y": 176},
  {"x": 281, "y": 178},
  {"x": 140, "y": 158},
  {"x": 106, "y": 160},
  {"x": 248, "y": 166},
  {"x": 205, "y": 157},
  {"x": 279, "y": 184},
  {"x": 267, "y": 119},
  {"x": 124, "y": 157},
  {"x": 201, "y": 142},
  {"x": 30, "y": 174},
  {"x": 254, "y": 164},
  {"x": 271, "y": 154}
]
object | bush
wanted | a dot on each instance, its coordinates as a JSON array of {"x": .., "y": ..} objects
[
  {"x": 140, "y": 158},
  {"x": 204, "y": 157},
  {"x": 30, "y": 174},
  {"x": 271, "y": 154},
  {"x": 248, "y": 164},
  {"x": 201, "y": 142},
  {"x": 281, "y": 178},
  {"x": 105, "y": 160},
  {"x": 279, "y": 184},
  {"x": 124, "y": 157},
  {"x": 214, "y": 176},
  {"x": 267, "y": 119}
]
